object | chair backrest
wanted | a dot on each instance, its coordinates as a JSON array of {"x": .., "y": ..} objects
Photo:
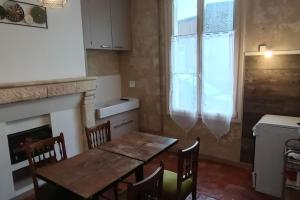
[
  {"x": 148, "y": 189},
  {"x": 188, "y": 165},
  {"x": 44, "y": 152},
  {"x": 98, "y": 135}
]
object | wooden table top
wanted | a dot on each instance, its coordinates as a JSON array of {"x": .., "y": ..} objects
[
  {"x": 89, "y": 173},
  {"x": 138, "y": 145}
]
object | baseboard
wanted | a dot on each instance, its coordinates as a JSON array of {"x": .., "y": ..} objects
[
  {"x": 219, "y": 160},
  {"x": 226, "y": 162}
]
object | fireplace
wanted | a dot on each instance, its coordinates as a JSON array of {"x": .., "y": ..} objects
[
  {"x": 65, "y": 105},
  {"x": 16, "y": 140}
]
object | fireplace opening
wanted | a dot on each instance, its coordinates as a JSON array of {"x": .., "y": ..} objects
[{"x": 16, "y": 140}]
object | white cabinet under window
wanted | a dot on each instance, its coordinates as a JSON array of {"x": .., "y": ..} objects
[{"x": 106, "y": 24}]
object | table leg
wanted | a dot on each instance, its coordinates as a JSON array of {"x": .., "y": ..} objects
[
  {"x": 139, "y": 173},
  {"x": 93, "y": 198}
]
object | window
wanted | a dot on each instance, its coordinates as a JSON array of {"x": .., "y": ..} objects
[
  {"x": 218, "y": 57},
  {"x": 184, "y": 62},
  {"x": 202, "y": 70},
  {"x": 217, "y": 53}
]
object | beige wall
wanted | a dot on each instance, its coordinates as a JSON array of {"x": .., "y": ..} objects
[
  {"x": 142, "y": 63},
  {"x": 228, "y": 148},
  {"x": 274, "y": 22},
  {"x": 102, "y": 63}
]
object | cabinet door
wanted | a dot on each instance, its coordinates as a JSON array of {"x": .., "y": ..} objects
[
  {"x": 120, "y": 14},
  {"x": 86, "y": 24},
  {"x": 100, "y": 23}
]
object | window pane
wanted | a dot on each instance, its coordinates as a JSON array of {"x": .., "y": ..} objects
[
  {"x": 218, "y": 57},
  {"x": 184, "y": 43},
  {"x": 184, "y": 92},
  {"x": 184, "y": 17},
  {"x": 218, "y": 16},
  {"x": 184, "y": 54},
  {"x": 218, "y": 73}
]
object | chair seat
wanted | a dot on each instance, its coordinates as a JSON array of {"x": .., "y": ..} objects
[
  {"x": 52, "y": 192},
  {"x": 170, "y": 186}
]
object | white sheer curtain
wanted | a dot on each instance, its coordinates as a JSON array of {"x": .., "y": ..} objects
[
  {"x": 217, "y": 102},
  {"x": 184, "y": 81},
  {"x": 213, "y": 95}
]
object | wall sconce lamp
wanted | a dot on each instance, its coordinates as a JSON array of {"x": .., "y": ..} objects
[
  {"x": 268, "y": 54},
  {"x": 54, "y": 3},
  {"x": 263, "y": 48}
]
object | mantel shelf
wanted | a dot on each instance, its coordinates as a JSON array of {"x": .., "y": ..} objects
[
  {"x": 45, "y": 82},
  {"x": 34, "y": 90}
]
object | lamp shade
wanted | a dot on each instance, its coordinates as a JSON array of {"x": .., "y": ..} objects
[{"x": 54, "y": 3}]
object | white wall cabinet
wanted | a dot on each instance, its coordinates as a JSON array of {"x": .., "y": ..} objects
[
  {"x": 106, "y": 24},
  {"x": 120, "y": 15}
]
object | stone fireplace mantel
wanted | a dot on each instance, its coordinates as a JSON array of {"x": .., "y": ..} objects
[{"x": 37, "y": 90}]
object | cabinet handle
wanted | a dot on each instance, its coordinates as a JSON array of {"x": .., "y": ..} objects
[
  {"x": 118, "y": 47},
  {"x": 105, "y": 46}
]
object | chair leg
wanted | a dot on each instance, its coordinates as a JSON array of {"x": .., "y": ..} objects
[
  {"x": 139, "y": 173},
  {"x": 116, "y": 192},
  {"x": 194, "y": 194}
]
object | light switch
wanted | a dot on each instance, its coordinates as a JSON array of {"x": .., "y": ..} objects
[{"x": 132, "y": 84}]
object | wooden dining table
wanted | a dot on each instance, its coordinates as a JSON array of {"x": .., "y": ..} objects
[
  {"x": 140, "y": 146},
  {"x": 90, "y": 173}
]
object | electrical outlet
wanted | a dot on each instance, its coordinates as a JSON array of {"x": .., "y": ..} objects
[{"x": 132, "y": 84}]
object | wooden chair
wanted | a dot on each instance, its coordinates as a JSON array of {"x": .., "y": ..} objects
[
  {"x": 98, "y": 135},
  {"x": 42, "y": 153},
  {"x": 178, "y": 186},
  {"x": 148, "y": 189}
]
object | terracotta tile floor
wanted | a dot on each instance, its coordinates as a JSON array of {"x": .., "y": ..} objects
[{"x": 215, "y": 181}]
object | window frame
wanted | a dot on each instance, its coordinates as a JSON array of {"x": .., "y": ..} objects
[{"x": 238, "y": 53}]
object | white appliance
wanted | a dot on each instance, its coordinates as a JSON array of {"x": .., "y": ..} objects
[{"x": 271, "y": 133}]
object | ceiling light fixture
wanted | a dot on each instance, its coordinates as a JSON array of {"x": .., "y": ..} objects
[{"x": 54, "y": 3}]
